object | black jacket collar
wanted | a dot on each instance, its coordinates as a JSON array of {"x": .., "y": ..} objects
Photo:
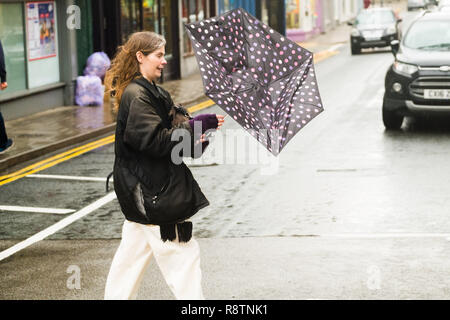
[
  {"x": 151, "y": 86},
  {"x": 160, "y": 103}
]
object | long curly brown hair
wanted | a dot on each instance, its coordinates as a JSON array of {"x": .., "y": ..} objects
[{"x": 125, "y": 66}]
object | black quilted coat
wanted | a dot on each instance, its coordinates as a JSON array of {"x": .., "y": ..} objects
[{"x": 143, "y": 147}]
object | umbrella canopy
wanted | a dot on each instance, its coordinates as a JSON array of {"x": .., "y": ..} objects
[{"x": 263, "y": 80}]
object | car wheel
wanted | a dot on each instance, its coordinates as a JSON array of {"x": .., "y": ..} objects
[
  {"x": 391, "y": 120},
  {"x": 356, "y": 50}
]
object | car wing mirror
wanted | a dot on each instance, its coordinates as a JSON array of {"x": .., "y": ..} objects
[{"x": 395, "y": 45}]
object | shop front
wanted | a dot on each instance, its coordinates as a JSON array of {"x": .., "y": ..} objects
[
  {"x": 166, "y": 17},
  {"x": 304, "y": 19},
  {"x": 38, "y": 54},
  {"x": 160, "y": 16}
]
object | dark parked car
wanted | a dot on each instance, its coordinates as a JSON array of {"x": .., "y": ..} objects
[
  {"x": 431, "y": 3},
  {"x": 418, "y": 82},
  {"x": 444, "y": 5},
  {"x": 374, "y": 27}
]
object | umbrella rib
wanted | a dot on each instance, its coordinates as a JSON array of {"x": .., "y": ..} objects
[{"x": 244, "y": 74}]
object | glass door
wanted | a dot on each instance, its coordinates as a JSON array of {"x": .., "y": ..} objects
[
  {"x": 169, "y": 29},
  {"x": 12, "y": 35},
  {"x": 160, "y": 16},
  {"x": 130, "y": 18}
]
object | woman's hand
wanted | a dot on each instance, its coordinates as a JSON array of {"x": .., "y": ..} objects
[{"x": 220, "y": 120}]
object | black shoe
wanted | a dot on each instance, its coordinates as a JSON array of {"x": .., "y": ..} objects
[{"x": 8, "y": 146}]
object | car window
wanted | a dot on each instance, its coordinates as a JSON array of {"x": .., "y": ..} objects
[
  {"x": 429, "y": 35},
  {"x": 375, "y": 17}
]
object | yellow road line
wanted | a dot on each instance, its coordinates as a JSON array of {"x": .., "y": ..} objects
[
  {"x": 52, "y": 161},
  {"x": 308, "y": 45},
  {"x": 47, "y": 163},
  {"x": 201, "y": 106},
  {"x": 324, "y": 55},
  {"x": 33, "y": 166},
  {"x": 318, "y": 56},
  {"x": 81, "y": 151}
]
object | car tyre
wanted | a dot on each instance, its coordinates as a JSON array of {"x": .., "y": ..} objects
[
  {"x": 356, "y": 50},
  {"x": 391, "y": 119}
]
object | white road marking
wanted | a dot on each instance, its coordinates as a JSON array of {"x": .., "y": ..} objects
[
  {"x": 60, "y": 177},
  {"x": 36, "y": 209},
  {"x": 58, "y": 226}
]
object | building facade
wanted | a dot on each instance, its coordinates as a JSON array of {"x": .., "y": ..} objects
[
  {"x": 306, "y": 18},
  {"x": 47, "y": 42},
  {"x": 40, "y": 56},
  {"x": 113, "y": 21}
]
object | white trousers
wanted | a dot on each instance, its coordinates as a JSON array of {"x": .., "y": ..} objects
[{"x": 179, "y": 263}]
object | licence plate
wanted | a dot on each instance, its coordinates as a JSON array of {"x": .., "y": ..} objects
[
  {"x": 372, "y": 35},
  {"x": 441, "y": 94}
]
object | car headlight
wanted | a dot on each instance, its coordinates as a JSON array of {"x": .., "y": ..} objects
[
  {"x": 405, "y": 68},
  {"x": 355, "y": 33},
  {"x": 391, "y": 30}
]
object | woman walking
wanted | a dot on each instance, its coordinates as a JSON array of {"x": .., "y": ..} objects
[{"x": 156, "y": 195}]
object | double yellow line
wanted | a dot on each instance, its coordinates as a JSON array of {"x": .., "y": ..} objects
[
  {"x": 50, "y": 162},
  {"x": 47, "y": 163}
]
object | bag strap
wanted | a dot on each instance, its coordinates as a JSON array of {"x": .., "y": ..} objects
[{"x": 107, "y": 180}]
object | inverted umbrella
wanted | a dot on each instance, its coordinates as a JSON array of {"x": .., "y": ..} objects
[{"x": 263, "y": 80}]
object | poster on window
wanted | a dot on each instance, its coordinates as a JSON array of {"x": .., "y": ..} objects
[{"x": 41, "y": 30}]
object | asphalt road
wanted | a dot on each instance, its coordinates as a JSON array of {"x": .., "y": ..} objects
[{"x": 347, "y": 211}]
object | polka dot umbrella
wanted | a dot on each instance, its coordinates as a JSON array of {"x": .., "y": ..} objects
[{"x": 263, "y": 80}]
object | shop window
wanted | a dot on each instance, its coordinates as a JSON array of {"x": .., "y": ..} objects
[
  {"x": 155, "y": 16},
  {"x": 12, "y": 36},
  {"x": 227, "y": 5},
  {"x": 33, "y": 23},
  {"x": 193, "y": 10},
  {"x": 151, "y": 20},
  {"x": 42, "y": 43},
  {"x": 166, "y": 26},
  {"x": 130, "y": 18},
  {"x": 85, "y": 41},
  {"x": 265, "y": 12},
  {"x": 150, "y": 15},
  {"x": 292, "y": 14}
]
